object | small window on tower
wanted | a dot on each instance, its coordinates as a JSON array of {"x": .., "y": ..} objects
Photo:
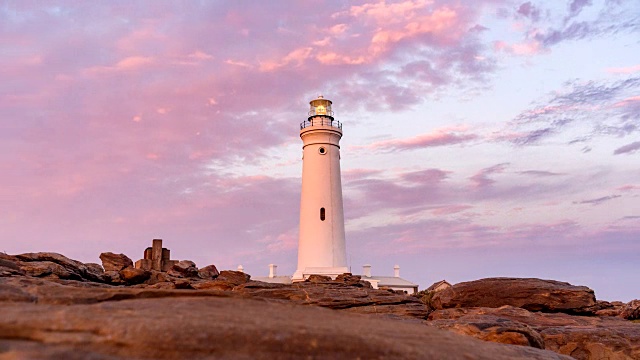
[
  {"x": 322, "y": 214},
  {"x": 322, "y": 151}
]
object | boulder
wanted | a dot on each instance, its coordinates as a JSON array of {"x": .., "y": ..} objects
[
  {"x": 76, "y": 269},
  {"x": 631, "y": 311},
  {"x": 224, "y": 328},
  {"x": 530, "y": 294},
  {"x": 233, "y": 277},
  {"x": 319, "y": 279},
  {"x": 115, "y": 262},
  {"x": 134, "y": 276},
  {"x": 113, "y": 277},
  {"x": 94, "y": 268},
  {"x": 47, "y": 268},
  {"x": 582, "y": 337},
  {"x": 95, "y": 272},
  {"x": 208, "y": 272},
  {"x": 183, "y": 268},
  {"x": 352, "y": 280}
]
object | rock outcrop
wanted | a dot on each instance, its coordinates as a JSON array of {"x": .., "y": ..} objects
[
  {"x": 493, "y": 310},
  {"x": 582, "y": 337},
  {"x": 227, "y": 328},
  {"x": 529, "y": 294},
  {"x": 184, "y": 268},
  {"x": 115, "y": 262},
  {"x": 64, "y": 268},
  {"x": 208, "y": 272},
  {"x": 351, "y": 295}
]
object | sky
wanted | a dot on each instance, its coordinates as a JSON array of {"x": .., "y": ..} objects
[{"x": 481, "y": 138}]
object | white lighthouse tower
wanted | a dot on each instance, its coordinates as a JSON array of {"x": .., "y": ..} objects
[{"x": 321, "y": 246}]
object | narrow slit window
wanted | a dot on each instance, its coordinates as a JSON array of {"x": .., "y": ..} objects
[{"x": 322, "y": 214}]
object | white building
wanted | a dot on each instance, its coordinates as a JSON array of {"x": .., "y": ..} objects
[
  {"x": 321, "y": 243},
  {"x": 394, "y": 282}
]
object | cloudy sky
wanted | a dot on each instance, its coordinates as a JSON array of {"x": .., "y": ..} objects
[{"x": 481, "y": 138}]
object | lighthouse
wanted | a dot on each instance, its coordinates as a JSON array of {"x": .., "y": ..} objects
[{"x": 321, "y": 245}]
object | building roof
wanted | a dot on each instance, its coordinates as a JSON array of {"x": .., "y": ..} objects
[
  {"x": 274, "y": 280},
  {"x": 391, "y": 281},
  {"x": 436, "y": 284}
]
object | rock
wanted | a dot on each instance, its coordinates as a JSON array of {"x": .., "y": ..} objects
[
  {"x": 76, "y": 269},
  {"x": 182, "y": 284},
  {"x": 492, "y": 328},
  {"x": 115, "y": 262},
  {"x": 212, "y": 285},
  {"x": 95, "y": 268},
  {"x": 318, "y": 279},
  {"x": 631, "y": 311},
  {"x": 157, "y": 277},
  {"x": 530, "y": 294},
  {"x": 208, "y": 272},
  {"x": 134, "y": 276},
  {"x": 9, "y": 267},
  {"x": 67, "y": 292},
  {"x": 95, "y": 272},
  {"x": 582, "y": 337},
  {"x": 10, "y": 293},
  {"x": 338, "y": 295},
  {"x": 183, "y": 268},
  {"x": 197, "y": 328},
  {"x": 162, "y": 285},
  {"x": 352, "y": 280},
  {"x": 233, "y": 277},
  {"x": 113, "y": 277},
  {"x": 47, "y": 268}
]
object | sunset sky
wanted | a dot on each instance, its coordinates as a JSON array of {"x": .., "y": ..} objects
[{"x": 481, "y": 138}]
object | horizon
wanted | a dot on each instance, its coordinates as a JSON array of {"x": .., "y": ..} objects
[{"x": 499, "y": 139}]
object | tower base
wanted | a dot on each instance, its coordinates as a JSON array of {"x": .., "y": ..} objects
[{"x": 333, "y": 272}]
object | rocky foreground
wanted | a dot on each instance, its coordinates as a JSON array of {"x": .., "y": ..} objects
[{"x": 52, "y": 307}]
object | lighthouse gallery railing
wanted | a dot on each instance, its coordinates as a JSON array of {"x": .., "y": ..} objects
[{"x": 322, "y": 121}]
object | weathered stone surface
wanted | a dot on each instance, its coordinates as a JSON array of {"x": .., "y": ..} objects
[
  {"x": 208, "y": 272},
  {"x": 530, "y": 294},
  {"x": 134, "y": 276},
  {"x": 113, "y": 277},
  {"x": 631, "y": 311},
  {"x": 9, "y": 267},
  {"x": 183, "y": 268},
  {"x": 66, "y": 292},
  {"x": 47, "y": 268},
  {"x": 76, "y": 269},
  {"x": 193, "y": 328},
  {"x": 352, "y": 280},
  {"x": 157, "y": 277},
  {"x": 338, "y": 295},
  {"x": 233, "y": 277},
  {"x": 582, "y": 337},
  {"x": 115, "y": 262},
  {"x": 10, "y": 293},
  {"x": 492, "y": 328},
  {"x": 94, "y": 268},
  {"x": 318, "y": 278}
]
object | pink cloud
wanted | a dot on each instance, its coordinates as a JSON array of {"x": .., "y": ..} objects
[
  {"x": 624, "y": 70},
  {"x": 629, "y": 187},
  {"x": 438, "y": 137},
  {"x": 526, "y": 48}
]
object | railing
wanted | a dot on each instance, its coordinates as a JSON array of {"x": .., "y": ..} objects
[{"x": 322, "y": 121}]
